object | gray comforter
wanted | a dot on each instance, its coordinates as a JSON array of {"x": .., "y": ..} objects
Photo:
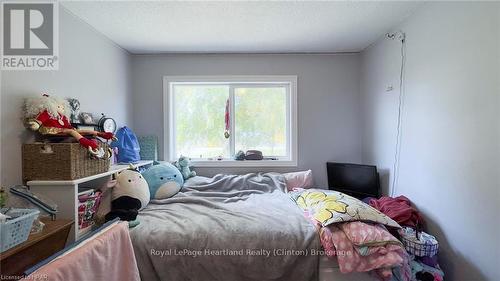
[{"x": 226, "y": 228}]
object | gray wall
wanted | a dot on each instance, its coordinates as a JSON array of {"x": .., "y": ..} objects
[
  {"x": 92, "y": 69},
  {"x": 451, "y": 128},
  {"x": 328, "y": 87}
]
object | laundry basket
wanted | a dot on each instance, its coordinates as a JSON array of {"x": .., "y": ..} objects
[
  {"x": 16, "y": 230},
  {"x": 419, "y": 243}
]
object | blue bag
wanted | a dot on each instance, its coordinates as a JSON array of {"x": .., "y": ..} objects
[{"x": 128, "y": 146}]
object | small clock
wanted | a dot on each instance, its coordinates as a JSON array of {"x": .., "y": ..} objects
[{"x": 106, "y": 124}]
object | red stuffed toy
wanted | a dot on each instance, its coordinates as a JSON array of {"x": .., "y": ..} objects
[{"x": 49, "y": 116}]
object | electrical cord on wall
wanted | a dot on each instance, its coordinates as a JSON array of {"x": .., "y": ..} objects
[{"x": 401, "y": 36}]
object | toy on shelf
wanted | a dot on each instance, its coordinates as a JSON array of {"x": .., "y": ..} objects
[
  {"x": 86, "y": 118},
  {"x": 75, "y": 109},
  {"x": 164, "y": 180},
  {"x": 49, "y": 116},
  {"x": 129, "y": 195},
  {"x": 183, "y": 165}
]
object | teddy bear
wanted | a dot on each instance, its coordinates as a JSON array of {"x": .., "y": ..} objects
[
  {"x": 183, "y": 165},
  {"x": 128, "y": 196},
  {"x": 49, "y": 115},
  {"x": 164, "y": 180}
]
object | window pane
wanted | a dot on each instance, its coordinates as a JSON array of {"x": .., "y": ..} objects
[
  {"x": 199, "y": 121},
  {"x": 260, "y": 120}
]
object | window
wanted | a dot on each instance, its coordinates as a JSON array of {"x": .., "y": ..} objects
[{"x": 210, "y": 119}]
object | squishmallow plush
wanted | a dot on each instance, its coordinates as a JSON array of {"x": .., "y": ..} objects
[
  {"x": 164, "y": 180},
  {"x": 129, "y": 196}
]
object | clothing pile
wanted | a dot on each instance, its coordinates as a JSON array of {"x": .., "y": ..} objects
[
  {"x": 426, "y": 269},
  {"x": 353, "y": 232},
  {"x": 399, "y": 209},
  {"x": 363, "y": 247},
  {"x": 380, "y": 236},
  {"x": 421, "y": 247}
]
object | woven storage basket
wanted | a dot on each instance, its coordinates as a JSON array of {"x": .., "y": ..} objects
[
  {"x": 60, "y": 161},
  {"x": 419, "y": 243}
]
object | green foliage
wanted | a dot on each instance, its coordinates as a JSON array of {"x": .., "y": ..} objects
[
  {"x": 200, "y": 121},
  {"x": 260, "y": 120}
]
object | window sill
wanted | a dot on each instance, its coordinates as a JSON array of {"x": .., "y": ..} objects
[{"x": 245, "y": 163}]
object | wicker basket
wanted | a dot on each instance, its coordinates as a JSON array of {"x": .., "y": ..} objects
[
  {"x": 419, "y": 243},
  {"x": 60, "y": 161}
]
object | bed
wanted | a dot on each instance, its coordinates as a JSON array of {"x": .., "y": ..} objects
[{"x": 231, "y": 228}]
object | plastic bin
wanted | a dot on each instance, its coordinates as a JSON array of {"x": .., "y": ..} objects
[
  {"x": 88, "y": 204},
  {"x": 16, "y": 230}
]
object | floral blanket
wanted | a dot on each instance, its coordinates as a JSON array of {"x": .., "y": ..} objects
[{"x": 328, "y": 207}]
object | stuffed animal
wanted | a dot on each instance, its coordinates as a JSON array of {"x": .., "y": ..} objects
[
  {"x": 183, "y": 165},
  {"x": 129, "y": 196},
  {"x": 164, "y": 180},
  {"x": 75, "y": 109},
  {"x": 49, "y": 115}
]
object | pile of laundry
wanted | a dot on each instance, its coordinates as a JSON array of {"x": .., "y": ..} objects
[
  {"x": 353, "y": 233},
  {"x": 421, "y": 247},
  {"x": 362, "y": 247}
]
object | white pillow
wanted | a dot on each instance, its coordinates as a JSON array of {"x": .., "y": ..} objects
[{"x": 302, "y": 179}]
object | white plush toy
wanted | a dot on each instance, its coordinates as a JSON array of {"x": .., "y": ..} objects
[{"x": 129, "y": 196}]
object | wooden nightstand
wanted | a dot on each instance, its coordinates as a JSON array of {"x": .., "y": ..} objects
[{"x": 38, "y": 247}]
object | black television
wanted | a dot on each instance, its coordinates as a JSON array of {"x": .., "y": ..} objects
[{"x": 359, "y": 181}]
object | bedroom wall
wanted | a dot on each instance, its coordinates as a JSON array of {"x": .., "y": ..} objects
[
  {"x": 92, "y": 69},
  {"x": 328, "y": 88},
  {"x": 451, "y": 127}
]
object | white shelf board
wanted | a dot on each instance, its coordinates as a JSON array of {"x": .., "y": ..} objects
[
  {"x": 85, "y": 191},
  {"x": 113, "y": 169}
]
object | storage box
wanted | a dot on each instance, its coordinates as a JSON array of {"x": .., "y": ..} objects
[
  {"x": 60, "y": 161},
  {"x": 88, "y": 204}
]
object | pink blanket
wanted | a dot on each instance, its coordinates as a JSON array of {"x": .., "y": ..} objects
[
  {"x": 107, "y": 256},
  {"x": 381, "y": 261}
]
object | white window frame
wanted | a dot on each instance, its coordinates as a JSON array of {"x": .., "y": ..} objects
[{"x": 257, "y": 80}]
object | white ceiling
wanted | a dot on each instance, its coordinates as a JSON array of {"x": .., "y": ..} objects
[{"x": 242, "y": 26}]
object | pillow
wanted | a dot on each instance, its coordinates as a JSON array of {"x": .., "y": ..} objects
[
  {"x": 301, "y": 179},
  {"x": 328, "y": 207}
]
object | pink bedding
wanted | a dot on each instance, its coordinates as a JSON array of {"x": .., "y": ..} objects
[
  {"x": 365, "y": 234},
  {"x": 381, "y": 258},
  {"x": 108, "y": 256}
]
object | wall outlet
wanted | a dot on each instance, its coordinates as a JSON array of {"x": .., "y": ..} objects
[{"x": 389, "y": 88}]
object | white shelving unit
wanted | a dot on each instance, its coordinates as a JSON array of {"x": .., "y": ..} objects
[{"x": 65, "y": 193}]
